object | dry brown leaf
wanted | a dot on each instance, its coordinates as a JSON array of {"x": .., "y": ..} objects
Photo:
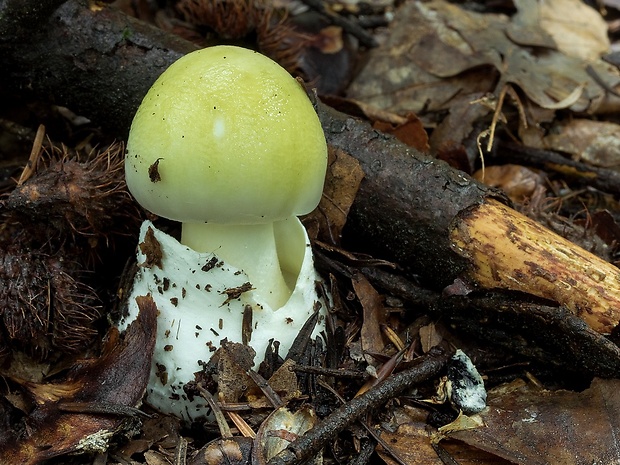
[
  {"x": 577, "y": 29},
  {"x": 344, "y": 176},
  {"x": 411, "y": 443},
  {"x": 433, "y": 41},
  {"x": 152, "y": 457},
  {"x": 235, "y": 360},
  {"x": 518, "y": 182},
  {"x": 161, "y": 431},
  {"x": 283, "y": 382},
  {"x": 118, "y": 379},
  {"x": 594, "y": 142},
  {"x": 361, "y": 109},
  {"x": 446, "y": 139},
  {"x": 528, "y": 425},
  {"x": 410, "y": 439},
  {"x": 429, "y": 337},
  {"x": 374, "y": 316},
  {"x": 410, "y": 132}
]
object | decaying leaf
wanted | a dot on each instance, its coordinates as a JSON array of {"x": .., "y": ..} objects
[
  {"x": 593, "y": 142},
  {"x": 92, "y": 403},
  {"x": 576, "y": 28},
  {"x": 234, "y": 361},
  {"x": 374, "y": 316},
  {"x": 518, "y": 182},
  {"x": 161, "y": 431},
  {"x": 344, "y": 176},
  {"x": 429, "y": 337},
  {"x": 411, "y": 132},
  {"x": 410, "y": 441},
  {"x": 280, "y": 429},
  {"x": 283, "y": 382},
  {"x": 405, "y": 74},
  {"x": 446, "y": 139},
  {"x": 533, "y": 426}
]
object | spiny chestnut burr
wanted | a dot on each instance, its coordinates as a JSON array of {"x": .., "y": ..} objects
[
  {"x": 45, "y": 309},
  {"x": 55, "y": 227},
  {"x": 67, "y": 196},
  {"x": 229, "y": 19}
]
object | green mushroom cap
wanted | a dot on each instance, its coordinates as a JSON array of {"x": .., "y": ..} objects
[{"x": 226, "y": 135}]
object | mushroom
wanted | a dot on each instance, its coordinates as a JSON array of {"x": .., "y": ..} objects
[{"x": 229, "y": 144}]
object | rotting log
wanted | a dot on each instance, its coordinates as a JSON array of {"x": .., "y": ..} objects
[
  {"x": 510, "y": 251},
  {"x": 439, "y": 223},
  {"x": 434, "y": 221}
]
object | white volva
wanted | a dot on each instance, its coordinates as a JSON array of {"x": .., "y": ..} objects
[{"x": 195, "y": 314}]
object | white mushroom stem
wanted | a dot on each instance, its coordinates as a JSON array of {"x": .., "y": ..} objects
[{"x": 256, "y": 249}]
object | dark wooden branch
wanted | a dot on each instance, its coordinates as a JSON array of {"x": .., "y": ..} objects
[
  {"x": 604, "y": 179},
  {"x": 515, "y": 322},
  {"x": 95, "y": 60},
  {"x": 406, "y": 202},
  {"x": 18, "y": 18}
]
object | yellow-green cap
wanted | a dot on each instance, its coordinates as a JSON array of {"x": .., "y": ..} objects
[{"x": 226, "y": 135}]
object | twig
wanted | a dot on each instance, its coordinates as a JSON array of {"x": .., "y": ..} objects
[
  {"x": 103, "y": 408},
  {"x": 365, "y": 453},
  {"x": 217, "y": 412},
  {"x": 604, "y": 179},
  {"x": 308, "y": 445},
  {"x": 180, "y": 452},
  {"x": 271, "y": 395},
  {"x": 351, "y": 27},
  {"x": 369, "y": 430},
  {"x": 335, "y": 372}
]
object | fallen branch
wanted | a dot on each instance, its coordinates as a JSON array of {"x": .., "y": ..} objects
[
  {"x": 549, "y": 334},
  {"x": 604, "y": 179},
  {"x": 442, "y": 225}
]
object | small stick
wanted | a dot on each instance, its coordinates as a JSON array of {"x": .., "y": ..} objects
[
  {"x": 180, "y": 452},
  {"x": 312, "y": 442},
  {"x": 271, "y": 395},
  {"x": 243, "y": 427},
  {"x": 349, "y": 26},
  {"x": 335, "y": 372},
  {"x": 219, "y": 416},
  {"x": 102, "y": 408},
  {"x": 368, "y": 429}
]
